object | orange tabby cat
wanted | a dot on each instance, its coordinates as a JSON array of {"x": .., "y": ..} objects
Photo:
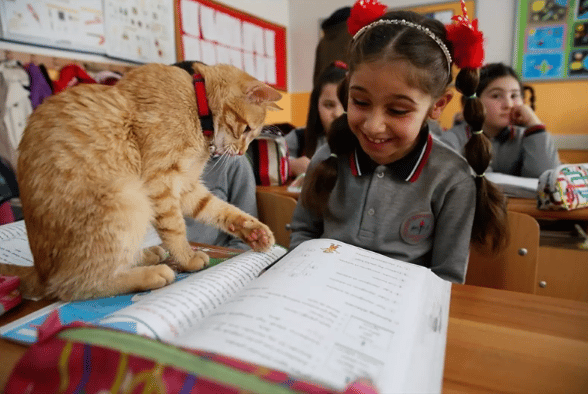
[{"x": 98, "y": 164}]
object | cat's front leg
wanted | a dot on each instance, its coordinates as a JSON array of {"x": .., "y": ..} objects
[
  {"x": 171, "y": 228},
  {"x": 207, "y": 208}
]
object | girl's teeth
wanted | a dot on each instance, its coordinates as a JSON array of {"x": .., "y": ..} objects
[{"x": 377, "y": 141}]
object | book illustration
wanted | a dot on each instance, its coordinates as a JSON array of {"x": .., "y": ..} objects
[{"x": 331, "y": 249}]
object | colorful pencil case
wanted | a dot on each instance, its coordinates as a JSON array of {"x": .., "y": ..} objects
[{"x": 564, "y": 188}]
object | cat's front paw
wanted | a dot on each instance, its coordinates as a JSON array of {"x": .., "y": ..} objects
[
  {"x": 256, "y": 234},
  {"x": 158, "y": 276},
  {"x": 197, "y": 261},
  {"x": 153, "y": 255}
]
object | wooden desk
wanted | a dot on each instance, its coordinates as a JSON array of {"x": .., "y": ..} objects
[
  {"x": 279, "y": 190},
  {"x": 498, "y": 341},
  {"x": 522, "y": 205},
  {"x": 529, "y": 206}
]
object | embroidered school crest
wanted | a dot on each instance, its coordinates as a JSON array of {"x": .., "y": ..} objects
[{"x": 417, "y": 227}]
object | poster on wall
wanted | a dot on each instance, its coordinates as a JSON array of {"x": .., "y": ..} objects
[
  {"x": 213, "y": 33},
  {"x": 65, "y": 24},
  {"x": 140, "y": 30},
  {"x": 552, "y": 39}
]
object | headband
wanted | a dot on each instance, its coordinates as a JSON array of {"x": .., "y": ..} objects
[
  {"x": 403, "y": 22},
  {"x": 466, "y": 39}
]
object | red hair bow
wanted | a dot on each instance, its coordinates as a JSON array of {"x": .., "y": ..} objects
[
  {"x": 363, "y": 13},
  {"x": 467, "y": 40}
]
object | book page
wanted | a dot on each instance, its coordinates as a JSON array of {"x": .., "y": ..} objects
[
  {"x": 332, "y": 312},
  {"x": 15, "y": 249},
  {"x": 514, "y": 186},
  {"x": 167, "y": 312},
  {"x": 14, "y": 244}
]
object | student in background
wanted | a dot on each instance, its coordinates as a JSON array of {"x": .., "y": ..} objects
[
  {"x": 333, "y": 43},
  {"x": 382, "y": 182},
  {"x": 231, "y": 179},
  {"x": 521, "y": 146},
  {"x": 323, "y": 109}
]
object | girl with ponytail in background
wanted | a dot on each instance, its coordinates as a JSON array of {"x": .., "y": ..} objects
[{"x": 383, "y": 183}]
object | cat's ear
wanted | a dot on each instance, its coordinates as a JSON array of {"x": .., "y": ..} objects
[
  {"x": 274, "y": 107},
  {"x": 258, "y": 92}
]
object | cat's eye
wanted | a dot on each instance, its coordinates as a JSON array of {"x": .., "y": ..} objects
[{"x": 247, "y": 129}]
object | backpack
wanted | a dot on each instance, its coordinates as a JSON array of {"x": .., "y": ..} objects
[
  {"x": 268, "y": 154},
  {"x": 82, "y": 358}
]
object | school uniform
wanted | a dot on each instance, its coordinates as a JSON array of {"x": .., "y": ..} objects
[
  {"x": 526, "y": 152},
  {"x": 231, "y": 179},
  {"x": 418, "y": 209},
  {"x": 295, "y": 142}
]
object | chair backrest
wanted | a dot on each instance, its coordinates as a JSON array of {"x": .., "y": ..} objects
[
  {"x": 275, "y": 210},
  {"x": 515, "y": 267}
]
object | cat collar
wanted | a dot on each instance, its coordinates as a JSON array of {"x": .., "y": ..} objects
[{"x": 203, "y": 110}]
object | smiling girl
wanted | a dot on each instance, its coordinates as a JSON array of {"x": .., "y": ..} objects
[
  {"x": 520, "y": 144},
  {"x": 382, "y": 182}
]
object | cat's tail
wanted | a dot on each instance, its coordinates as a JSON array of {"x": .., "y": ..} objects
[{"x": 30, "y": 283}]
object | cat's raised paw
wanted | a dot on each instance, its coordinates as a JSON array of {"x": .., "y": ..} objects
[{"x": 260, "y": 238}]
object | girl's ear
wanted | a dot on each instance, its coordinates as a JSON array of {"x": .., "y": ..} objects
[{"x": 438, "y": 107}]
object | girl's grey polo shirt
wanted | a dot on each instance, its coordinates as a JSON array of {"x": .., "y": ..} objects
[
  {"x": 519, "y": 151},
  {"x": 418, "y": 209}
]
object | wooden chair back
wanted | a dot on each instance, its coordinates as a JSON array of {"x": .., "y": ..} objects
[
  {"x": 515, "y": 267},
  {"x": 275, "y": 210}
]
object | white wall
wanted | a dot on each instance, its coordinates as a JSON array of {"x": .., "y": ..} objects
[
  {"x": 496, "y": 20},
  {"x": 275, "y": 11},
  {"x": 302, "y": 17}
]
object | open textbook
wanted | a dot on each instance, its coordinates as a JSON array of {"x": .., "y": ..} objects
[
  {"x": 514, "y": 186},
  {"x": 326, "y": 311}
]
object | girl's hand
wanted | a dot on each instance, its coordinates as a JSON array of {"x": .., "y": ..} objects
[
  {"x": 523, "y": 115},
  {"x": 298, "y": 165}
]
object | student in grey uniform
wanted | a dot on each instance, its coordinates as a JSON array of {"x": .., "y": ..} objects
[
  {"x": 231, "y": 179},
  {"x": 382, "y": 182},
  {"x": 324, "y": 107},
  {"x": 521, "y": 145}
]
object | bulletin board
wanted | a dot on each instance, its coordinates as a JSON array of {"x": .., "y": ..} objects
[
  {"x": 212, "y": 33},
  {"x": 134, "y": 30},
  {"x": 140, "y": 31},
  {"x": 65, "y": 24},
  {"x": 552, "y": 40}
]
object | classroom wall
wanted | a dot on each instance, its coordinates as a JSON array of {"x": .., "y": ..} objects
[{"x": 561, "y": 105}]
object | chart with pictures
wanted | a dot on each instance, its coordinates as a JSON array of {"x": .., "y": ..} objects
[
  {"x": 140, "y": 30},
  {"x": 66, "y": 24},
  {"x": 552, "y": 39}
]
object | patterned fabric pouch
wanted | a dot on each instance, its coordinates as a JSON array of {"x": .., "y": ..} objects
[
  {"x": 268, "y": 154},
  {"x": 80, "y": 358},
  {"x": 564, "y": 188},
  {"x": 9, "y": 294}
]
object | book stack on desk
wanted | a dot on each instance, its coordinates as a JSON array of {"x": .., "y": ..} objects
[{"x": 514, "y": 186}]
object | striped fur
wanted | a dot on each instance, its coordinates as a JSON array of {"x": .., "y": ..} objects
[{"x": 99, "y": 164}]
